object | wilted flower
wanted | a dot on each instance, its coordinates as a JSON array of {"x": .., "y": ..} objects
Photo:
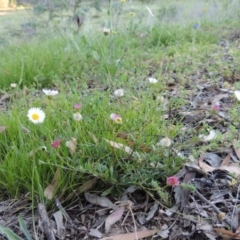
[
  {"x": 72, "y": 145},
  {"x": 13, "y": 85},
  {"x": 216, "y": 107},
  {"x": 36, "y": 115},
  {"x": 49, "y": 92},
  {"x": 152, "y": 80},
  {"x": 106, "y": 31},
  {"x": 77, "y": 106},
  {"x": 237, "y": 94},
  {"x": 173, "y": 181},
  {"x": 119, "y": 92},
  {"x": 56, "y": 143},
  {"x": 116, "y": 118},
  {"x": 165, "y": 142},
  {"x": 77, "y": 116}
]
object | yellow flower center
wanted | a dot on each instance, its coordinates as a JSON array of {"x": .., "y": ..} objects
[
  {"x": 35, "y": 116},
  {"x": 118, "y": 120}
]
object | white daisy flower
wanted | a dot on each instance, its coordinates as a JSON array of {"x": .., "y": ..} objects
[
  {"x": 50, "y": 92},
  {"x": 36, "y": 115},
  {"x": 77, "y": 116},
  {"x": 119, "y": 92},
  {"x": 237, "y": 94},
  {"x": 152, "y": 80}
]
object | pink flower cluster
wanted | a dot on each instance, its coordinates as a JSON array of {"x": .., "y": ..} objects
[{"x": 173, "y": 181}]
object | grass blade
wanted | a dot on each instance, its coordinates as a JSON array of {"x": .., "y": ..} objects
[
  {"x": 23, "y": 227},
  {"x": 9, "y": 233}
]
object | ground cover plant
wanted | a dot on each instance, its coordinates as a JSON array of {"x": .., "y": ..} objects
[{"x": 134, "y": 110}]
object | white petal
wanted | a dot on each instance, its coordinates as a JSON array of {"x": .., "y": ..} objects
[
  {"x": 119, "y": 92},
  {"x": 237, "y": 94},
  {"x": 152, "y": 80},
  {"x": 49, "y": 92},
  {"x": 77, "y": 116},
  {"x": 212, "y": 135}
]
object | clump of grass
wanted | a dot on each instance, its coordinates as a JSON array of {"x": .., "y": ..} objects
[{"x": 86, "y": 70}]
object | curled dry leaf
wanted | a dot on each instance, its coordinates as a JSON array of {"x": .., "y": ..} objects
[
  {"x": 72, "y": 145},
  {"x": 95, "y": 233},
  {"x": 83, "y": 188},
  {"x": 100, "y": 201},
  {"x": 113, "y": 218},
  {"x": 50, "y": 189},
  {"x": 152, "y": 211},
  {"x": 60, "y": 226},
  {"x": 120, "y": 146},
  {"x": 94, "y": 138}
]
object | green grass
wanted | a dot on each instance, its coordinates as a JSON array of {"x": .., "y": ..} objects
[{"x": 86, "y": 69}]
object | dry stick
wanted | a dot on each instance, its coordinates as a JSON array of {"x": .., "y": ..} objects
[
  {"x": 134, "y": 223},
  {"x": 45, "y": 222},
  {"x": 227, "y": 220}
]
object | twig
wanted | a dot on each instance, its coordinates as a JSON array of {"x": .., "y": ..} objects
[
  {"x": 45, "y": 222},
  {"x": 227, "y": 220}
]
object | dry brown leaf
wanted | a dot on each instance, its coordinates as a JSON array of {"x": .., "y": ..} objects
[
  {"x": 94, "y": 138},
  {"x": 152, "y": 211},
  {"x": 113, "y": 218},
  {"x": 5, "y": 97},
  {"x": 123, "y": 135},
  {"x": 132, "y": 236},
  {"x": 25, "y": 130},
  {"x": 72, "y": 145},
  {"x": 228, "y": 234},
  {"x": 218, "y": 97},
  {"x": 205, "y": 167},
  {"x": 233, "y": 169},
  {"x": 60, "y": 226},
  {"x": 226, "y": 161},
  {"x": 50, "y": 189},
  {"x": 120, "y": 146},
  {"x": 95, "y": 233},
  {"x": 3, "y": 129},
  {"x": 83, "y": 188},
  {"x": 100, "y": 201}
]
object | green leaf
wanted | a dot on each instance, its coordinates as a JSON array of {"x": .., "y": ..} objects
[
  {"x": 23, "y": 227},
  {"x": 9, "y": 233}
]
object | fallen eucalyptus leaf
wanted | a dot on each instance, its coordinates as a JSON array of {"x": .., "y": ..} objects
[
  {"x": 113, "y": 218},
  {"x": 132, "y": 236},
  {"x": 100, "y": 201}
]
